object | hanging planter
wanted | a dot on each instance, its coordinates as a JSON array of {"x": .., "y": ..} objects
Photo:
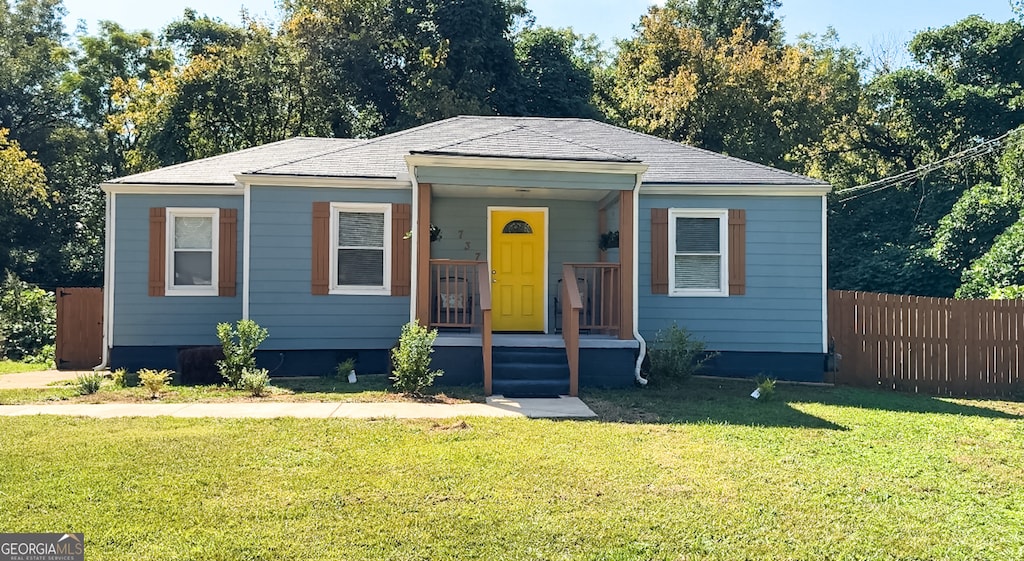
[
  {"x": 608, "y": 241},
  {"x": 435, "y": 234}
]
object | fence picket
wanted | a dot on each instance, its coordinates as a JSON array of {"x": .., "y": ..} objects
[{"x": 930, "y": 345}]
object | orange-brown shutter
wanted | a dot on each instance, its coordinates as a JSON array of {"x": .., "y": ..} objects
[
  {"x": 227, "y": 269},
  {"x": 157, "y": 251},
  {"x": 737, "y": 251},
  {"x": 321, "y": 248},
  {"x": 401, "y": 250},
  {"x": 659, "y": 251}
]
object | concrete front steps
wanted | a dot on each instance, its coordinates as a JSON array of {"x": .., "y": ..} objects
[{"x": 530, "y": 372}]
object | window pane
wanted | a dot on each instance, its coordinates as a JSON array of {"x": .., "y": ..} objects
[
  {"x": 697, "y": 235},
  {"x": 361, "y": 229},
  {"x": 698, "y": 271},
  {"x": 193, "y": 268},
  {"x": 193, "y": 232},
  {"x": 360, "y": 267}
]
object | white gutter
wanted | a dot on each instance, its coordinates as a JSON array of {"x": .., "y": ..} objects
[
  {"x": 636, "y": 284},
  {"x": 108, "y": 295}
]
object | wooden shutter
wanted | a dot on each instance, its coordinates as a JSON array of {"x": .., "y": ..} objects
[
  {"x": 157, "y": 251},
  {"x": 737, "y": 252},
  {"x": 659, "y": 251},
  {"x": 401, "y": 250},
  {"x": 227, "y": 268},
  {"x": 321, "y": 263}
]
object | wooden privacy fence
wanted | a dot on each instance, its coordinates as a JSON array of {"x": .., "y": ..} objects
[
  {"x": 938, "y": 346},
  {"x": 79, "y": 341}
]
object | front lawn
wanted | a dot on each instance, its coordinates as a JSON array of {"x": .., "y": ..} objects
[
  {"x": 700, "y": 471},
  {"x": 369, "y": 387},
  {"x": 14, "y": 367}
]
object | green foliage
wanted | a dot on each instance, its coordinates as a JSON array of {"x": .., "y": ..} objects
[
  {"x": 344, "y": 367},
  {"x": 154, "y": 380},
  {"x": 47, "y": 356},
  {"x": 557, "y": 70},
  {"x": 88, "y": 383},
  {"x": 119, "y": 378},
  {"x": 411, "y": 359},
  {"x": 1012, "y": 292},
  {"x": 28, "y": 320},
  {"x": 982, "y": 213},
  {"x": 239, "y": 343},
  {"x": 1002, "y": 266},
  {"x": 765, "y": 388},
  {"x": 255, "y": 381},
  {"x": 676, "y": 355}
]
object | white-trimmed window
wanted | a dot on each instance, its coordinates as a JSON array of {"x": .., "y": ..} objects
[
  {"x": 192, "y": 251},
  {"x": 360, "y": 248},
  {"x": 698, "y": 242}
]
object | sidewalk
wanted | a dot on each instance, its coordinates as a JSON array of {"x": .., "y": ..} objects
[
  {"x": 496, "y": 406},
  {"x": 37, "y": 380}
]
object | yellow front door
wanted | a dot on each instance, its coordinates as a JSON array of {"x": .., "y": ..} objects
[{"x": 517, "y": 269}]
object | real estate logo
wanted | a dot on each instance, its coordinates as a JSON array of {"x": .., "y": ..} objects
[{"x": 42, "y": 547}]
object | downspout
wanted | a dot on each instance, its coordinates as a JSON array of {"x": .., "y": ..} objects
[
  {"x": 106, "y": 284},
  {"x": 636, "y": 284}
]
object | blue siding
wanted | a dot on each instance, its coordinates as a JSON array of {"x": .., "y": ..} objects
[
  {"x": 781, "y": 311},
  {"x": 280, "y": 260},
  {"x": 142, "y": 320},
  {"x": 529, "y": 179},
  {"x": 572, "y": 232}
]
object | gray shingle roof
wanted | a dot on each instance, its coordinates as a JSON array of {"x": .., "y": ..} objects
[
  {"x": 221, "y": 170},
  {"x": 510, "y": 137}
]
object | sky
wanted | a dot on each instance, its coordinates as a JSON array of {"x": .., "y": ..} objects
[{"x": 870, "y": 24}]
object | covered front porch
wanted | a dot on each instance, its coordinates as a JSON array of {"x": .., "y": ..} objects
[{"x": 488, "y": 294}]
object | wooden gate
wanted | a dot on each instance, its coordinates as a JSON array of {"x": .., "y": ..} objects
[{"x": 79, "y": 328}]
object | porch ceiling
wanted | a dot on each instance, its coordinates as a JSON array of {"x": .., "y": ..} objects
[{"x": 526, "y": 193}]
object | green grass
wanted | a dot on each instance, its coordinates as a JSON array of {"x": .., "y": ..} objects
[
  {"x": 369, "y": 387},
  {"x": 698, "y": 471},
  {"x": 14, "y": 367}
]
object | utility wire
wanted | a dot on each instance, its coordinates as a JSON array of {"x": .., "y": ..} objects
[{"x": 975, "y": 151}]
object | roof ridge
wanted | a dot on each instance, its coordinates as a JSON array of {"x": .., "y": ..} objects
[
  {"x": 577, "y": 143},
  {"x": 363, "y": 142},
  {"x": 181, "y": 165},
  {"x": 504, "y": 130},
  {"x": 711, "y": 152}
]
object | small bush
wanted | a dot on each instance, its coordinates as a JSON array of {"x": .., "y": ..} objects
[
  {"x": 198, "y": 365},
  {"x": 28, "y": 321},
  {"x": 411, "y": 359},
  {"x": 89, "y": 383},
  {"x": 344, "y": 367},
  {"x": 120, "y": 378},
  {"x": 154, "y": 380},
  {"x": 676, "y": 355},
  {"x": 46, "y": 356},
  {"x": 765, "y": 388},
  {"x": 255, "y": 381},
  {"x": 239, "y": 343}
]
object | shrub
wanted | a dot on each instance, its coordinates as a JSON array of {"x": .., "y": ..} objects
[
  {"x": 120, "y": 378},
  {"x": 198, "y": 365},
  {"x": 255, "y": 381},
  {"x": 28, "y": 319},
  {"x": 1002, "y": 266},
  {"x": 46, "y": 355},
  {"x": 411, "y": 359},
  {"x": 676, "y": 355},
  {"x": 765, "y": 388},
  {"x": 344, "y": 367},
  {"x": 154, "y": 380},
  {"x": 89, "y": 383},
  {"x": 239, "y": 344}
]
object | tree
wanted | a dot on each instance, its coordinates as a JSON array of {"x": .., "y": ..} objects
[
  {"x": 717, "y": 19},
  {"x": 1002, "y": 266},
  {"x": 22, "y": 190},
  {"x": 557, "y": 68}
]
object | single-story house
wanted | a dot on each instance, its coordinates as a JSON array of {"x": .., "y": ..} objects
[{"x": 476, "y": 226}]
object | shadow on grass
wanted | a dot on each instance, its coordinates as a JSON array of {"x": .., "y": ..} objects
[
  {"x": 374, "y": 384},
  {"x": 702, "y": 400}
]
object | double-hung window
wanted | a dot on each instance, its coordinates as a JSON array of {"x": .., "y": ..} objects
[
  {"x": 698, "y": 252},
  {"x": 192, "y": 245},
  {"x": 360, "y": 248}
]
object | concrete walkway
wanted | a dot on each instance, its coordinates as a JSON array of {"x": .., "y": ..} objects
[
  {"x": 37, "y": 380},
  {"x": 496, "y": 406}
]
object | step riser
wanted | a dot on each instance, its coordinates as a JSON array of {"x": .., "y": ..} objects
[
  {"x": 530, "y": 372},
  {"x": 529, "y": 357},
  {"x": 531, "y": 388}
]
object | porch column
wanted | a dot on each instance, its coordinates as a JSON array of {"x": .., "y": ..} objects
[
  {"x": 602, "y": 227},
  {"x": 627, "y": 260},
  {"x": 421, "y": 237}
]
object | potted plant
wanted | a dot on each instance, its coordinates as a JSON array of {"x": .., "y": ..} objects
[{"x": 347, "y": 368}]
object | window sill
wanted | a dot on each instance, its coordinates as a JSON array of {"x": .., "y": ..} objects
[
  {"x": 190, "y": 292},
  {"x": 699, "y": 294},
  {"x": 359, "y": 291}
]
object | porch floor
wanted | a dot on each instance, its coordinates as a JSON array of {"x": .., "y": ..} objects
[{"x": 536, "y": 340}]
